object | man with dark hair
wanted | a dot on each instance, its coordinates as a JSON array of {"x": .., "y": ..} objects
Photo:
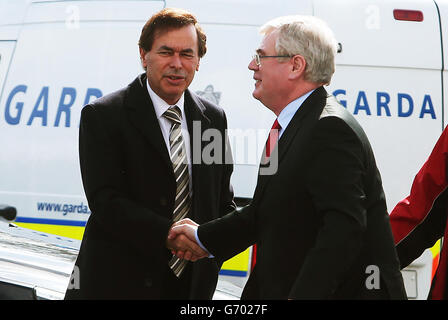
[
  {"x": 166, "y": 20},
  {"x": 139, "y": 176}
]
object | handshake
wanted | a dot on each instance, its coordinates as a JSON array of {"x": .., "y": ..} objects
[{"x": 182, "y": 242}]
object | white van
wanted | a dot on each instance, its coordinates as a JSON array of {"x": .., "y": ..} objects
[{"x": 56, "y": 56}]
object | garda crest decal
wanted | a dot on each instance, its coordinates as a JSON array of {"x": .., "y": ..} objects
[{"x": 210, "y": 94}]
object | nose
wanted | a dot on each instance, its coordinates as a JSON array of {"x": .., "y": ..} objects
[
  {"x": 253, "y": 65},
  {"x": 176, "y": 61}
]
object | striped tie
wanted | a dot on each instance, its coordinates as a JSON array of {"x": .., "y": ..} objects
[{"x": 182, "y": 202}]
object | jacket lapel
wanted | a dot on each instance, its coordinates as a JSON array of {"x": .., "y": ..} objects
[
  {"x": 197, "y": 123},
  {"x": 196, "y": 118},
  {"x": 313, "y": 104},
  {"x": 143, "y": 117}
]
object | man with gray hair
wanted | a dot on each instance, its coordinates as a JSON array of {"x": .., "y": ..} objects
[{"x": 320, "y": 222}]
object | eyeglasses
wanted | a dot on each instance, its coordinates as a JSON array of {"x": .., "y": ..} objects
[{"x": 258, "y": 58}]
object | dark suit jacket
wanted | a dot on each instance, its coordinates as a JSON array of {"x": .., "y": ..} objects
[
  {"x": 130, "y": 186},
  {"x": 320, "y": 220}
]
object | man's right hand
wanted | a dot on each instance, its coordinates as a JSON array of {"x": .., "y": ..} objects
[{"x": 182, "y": 241}]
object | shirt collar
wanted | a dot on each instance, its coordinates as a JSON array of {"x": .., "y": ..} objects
[
  {"x": 286, "y": 115},
  {"x": 160, "y": 106}
]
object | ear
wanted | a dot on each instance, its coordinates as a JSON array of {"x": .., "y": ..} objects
[
  {"x": 197, "y": 67},
  {"x": 298, "y": 66},
  {"x": 142, "y": 56}
]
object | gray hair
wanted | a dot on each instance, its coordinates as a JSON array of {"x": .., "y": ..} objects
[{"x": 309, "y": 37}]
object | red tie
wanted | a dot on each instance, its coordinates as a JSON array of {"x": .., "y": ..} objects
[
  {"x": 272, "y": 138},
  {"x": 270, "y": 145}
]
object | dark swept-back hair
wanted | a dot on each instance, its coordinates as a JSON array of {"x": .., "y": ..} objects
[{"x": 167, "y": 20}]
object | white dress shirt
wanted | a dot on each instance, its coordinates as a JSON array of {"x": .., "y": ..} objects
[
  {"x": 288, "y": 112},
  {"x": 160, "y": 106},
  {"x": 284, "y": 118}
]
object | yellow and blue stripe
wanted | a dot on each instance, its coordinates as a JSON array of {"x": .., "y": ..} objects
[{"x": 238, "y": 266}]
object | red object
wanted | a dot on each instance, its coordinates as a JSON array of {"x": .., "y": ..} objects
[
  {"x": 272, "y": 138},
  {"x": 408, "y": 15},
  {"x": 254, "y": 257},
  {"x": 270, "y": 145},
  {"x": 409, "y": 213}
]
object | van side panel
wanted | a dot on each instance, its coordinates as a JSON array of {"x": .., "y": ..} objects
[
  {"x": 389, "y": 79},
  {"x": 443, "y": 12},
  {"x": 68, "y": 54}
]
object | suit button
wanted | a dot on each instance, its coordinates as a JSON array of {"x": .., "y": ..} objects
[
  {"x": 148, "y": 282},
  {"x": 163, "y": 201}
]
